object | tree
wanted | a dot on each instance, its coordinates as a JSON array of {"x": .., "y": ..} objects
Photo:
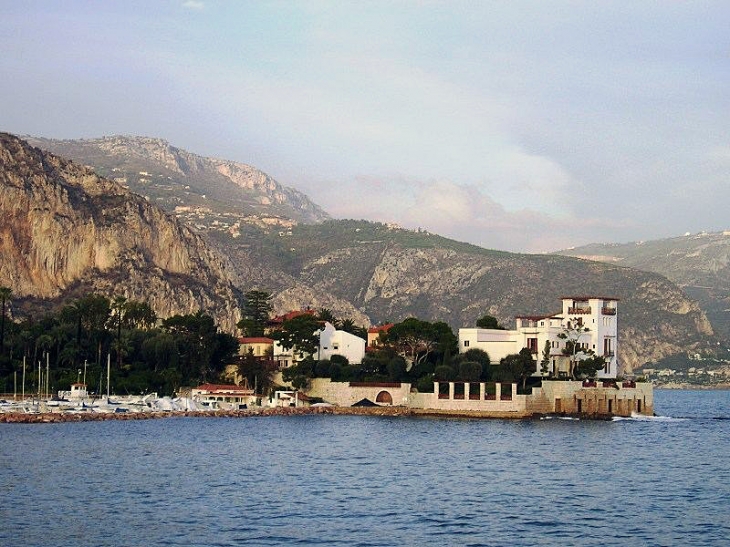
[
  {"x": 119, "y": 307},
  {"x": 572, "y": 333},
  {"x": 139, "y": 315},
  {"x": 545, "y": 362},
  {"x": 300, "y": 334},
  {"x": 470, "y": 371},
  {"x": 5, "y": 294},
  {"x": 203, "y": 350},
  {"x": 325, "y": 314},
  {"x": 589, "y": 366},
  {"x": 348, "y": 325},
  {"x": 256, "y": 310},
  {"x": 259, "y": 373},
  {"x": 517, "y": 367},
  {"x": 489, "y": 322},
  {"x": 414, "y": 339},
  {"x": 482, "y": 357}
]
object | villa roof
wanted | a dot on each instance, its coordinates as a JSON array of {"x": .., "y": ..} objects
[
  {"x": 255, "y": 340},
  {"x": 279, "y": 319},
  {"x": 535, "y": 317},
  {"x": 589, "y": 297},
  {"x": 380, "y": 328}
]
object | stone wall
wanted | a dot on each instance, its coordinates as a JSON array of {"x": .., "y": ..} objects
[
  {"x": 623, "y": 399},
  {"x": 345, "y": 394}
]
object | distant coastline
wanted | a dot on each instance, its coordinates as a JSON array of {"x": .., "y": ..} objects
[{"x": 694, "y": 387}]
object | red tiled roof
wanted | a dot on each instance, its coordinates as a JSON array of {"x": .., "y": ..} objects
[
  {"x": 380, "y": 328},
  {"x": 589, "y": 297},
  {"x": 255, "y": 340},
  {"x": 292, "y": 315}
]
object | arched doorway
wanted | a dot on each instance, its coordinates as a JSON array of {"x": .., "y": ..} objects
[{"x": 384, "y": 398}]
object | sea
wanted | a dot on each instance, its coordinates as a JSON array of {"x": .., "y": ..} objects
[{"x": 373, "y": 481}]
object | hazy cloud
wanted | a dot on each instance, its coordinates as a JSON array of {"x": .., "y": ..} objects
[
  {"x": 522, "y": 125},
  {"x": 194, "y": 4}
]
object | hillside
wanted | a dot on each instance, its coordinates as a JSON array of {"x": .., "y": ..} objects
[
  {"x": 65, "y": 232},
  {"x": 212, "y": 193},
  {"x": 699, "y": 263},
  {"x": 372, "y": 273},
  {"x": 389, "y": 273}
]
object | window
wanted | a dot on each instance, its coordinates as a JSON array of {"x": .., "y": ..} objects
[
  {"x": 466, "y": 343},
  {"x": 532, "y": 344}
]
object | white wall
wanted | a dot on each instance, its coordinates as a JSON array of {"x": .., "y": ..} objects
[{"x": 338, "y": 342}]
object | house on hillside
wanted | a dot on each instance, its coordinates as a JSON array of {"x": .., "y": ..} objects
[
  {"x": 331, "y": 342},
  {"x": 590, "y": 320},
  {"x": 260, "y": 347},
  {"x": 277, "y": 322},
  {"x": 374, "y": 334},
  {"x": 339, "y": 342}
]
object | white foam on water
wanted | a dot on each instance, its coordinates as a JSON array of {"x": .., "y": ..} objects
[{"x": 644, "y": 418}]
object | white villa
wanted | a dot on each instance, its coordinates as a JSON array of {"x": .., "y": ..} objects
[
  {"x": 331, "y": 342},
  {"x": 597, "y": 314},
  {"x": 339, "y": 342}
]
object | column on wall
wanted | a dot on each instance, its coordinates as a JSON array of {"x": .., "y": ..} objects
[
  {"x": 451, "y": 391},
  {"x": 497, "y": 391},
  {"x": 482, "y": 391}
]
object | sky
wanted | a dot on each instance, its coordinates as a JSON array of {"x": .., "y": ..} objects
[{"x": 526, "y": 126}]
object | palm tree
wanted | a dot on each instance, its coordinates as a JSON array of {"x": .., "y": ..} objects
[
  {"x": 5, "y": 294},
  {"x": 325, "y": 314}
]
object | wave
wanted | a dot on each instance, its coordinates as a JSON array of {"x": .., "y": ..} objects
[{"x": 644, "y": 418}]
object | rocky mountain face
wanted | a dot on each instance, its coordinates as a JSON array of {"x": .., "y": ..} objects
[
  {"x": 390, "y": 273},
  {"x": 64, "y": 232},
  {"x": 373, "y": 273},
  {"x": 208, "y": 189},
  {"x": 698, "y": 263}
]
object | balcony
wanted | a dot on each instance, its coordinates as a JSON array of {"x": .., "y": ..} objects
[
  {"x": 608, "y": 311},
  {"x": 580, "y": 310}
]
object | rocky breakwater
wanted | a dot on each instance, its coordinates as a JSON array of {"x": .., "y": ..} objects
[
  {"x": 63, "y": 417},
  {"x": 65, "y": 230}
]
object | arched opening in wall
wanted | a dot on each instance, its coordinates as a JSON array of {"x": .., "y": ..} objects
[{"x": 384, "y": 397}]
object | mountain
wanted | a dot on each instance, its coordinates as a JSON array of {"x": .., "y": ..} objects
[
  {"x": 390, "y": 273},
  {"x": 373, "y": 272},
  {"x": 206, "y": 189},
  {"x": 699, "y": 263},
  {"x": 65, "y": 232}
]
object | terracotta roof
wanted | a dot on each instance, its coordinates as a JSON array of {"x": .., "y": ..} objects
[
  {"x": 589, "y": 297},
  {"x": 380, "y": 328},
  {"x": 292, "y": 315},
  {"x": 255, "y": 340}
]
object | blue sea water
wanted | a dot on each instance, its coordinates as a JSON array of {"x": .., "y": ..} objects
[{"x": 372, "y": 481}]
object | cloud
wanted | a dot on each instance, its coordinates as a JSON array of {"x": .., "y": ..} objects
[
  {"x": 461, "y": 211},
  {"x": 194, "y": 5}
]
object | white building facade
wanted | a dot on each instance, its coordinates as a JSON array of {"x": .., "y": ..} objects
[
  {"x": 331, "y": 342},
  {"x": 590, "y": 320}
]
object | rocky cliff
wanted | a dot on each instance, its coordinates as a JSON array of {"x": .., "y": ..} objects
[
  {"x": 66, "y": 231},
  {"x": 174, "y": 177},
  {"x": 699, "y": 263},
  {"x": 389, "y": 274}
]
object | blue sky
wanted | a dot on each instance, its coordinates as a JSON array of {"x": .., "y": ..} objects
[{"x": 523, "y": 126}]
